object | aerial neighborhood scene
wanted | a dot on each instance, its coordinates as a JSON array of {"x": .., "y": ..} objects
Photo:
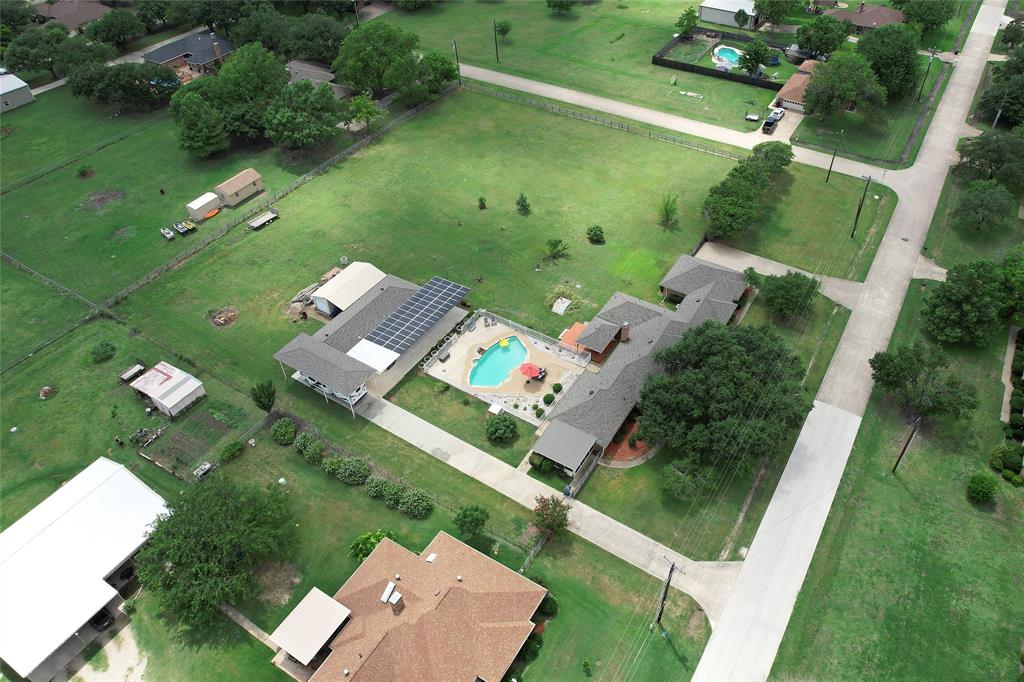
[{"x": 511, "y": 340}]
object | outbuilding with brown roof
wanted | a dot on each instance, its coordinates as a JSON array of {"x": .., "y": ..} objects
[{"x": 239, "y": 187}]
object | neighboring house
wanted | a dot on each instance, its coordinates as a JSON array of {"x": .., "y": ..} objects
[
  {"x": 345, "y": 288},
  {"x": 14, "y": 92},
  {"x": 623, "y": 337},
  {"x": 65, "y": 560},
  {"x": 240, "y": 187},
  {"x": 447, "y": 613},
  {"x": 196, "y": 53},
  {"x": 724, "y": 12},
  {"x": 316, "y": 73},
  {"x": 71, "y": 14},
  {"x": 392, "y": 320},
  {"x": 170, "y": 389},
  {"x": 867, "y": 17},
  {"x": 792, "y": 94}
]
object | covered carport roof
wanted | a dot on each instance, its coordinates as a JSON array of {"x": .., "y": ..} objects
[
  {"x": 564, "y": 444},
  {"x": 310, "y": 625}
]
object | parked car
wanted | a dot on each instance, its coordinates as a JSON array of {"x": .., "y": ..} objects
[
  {"x": 168, "y": 235},
  {"x": 180, "y": 228},
  {"x": 189, "y": 225},
  {"x": 752, "y": 118},
  {"x": 102, "y": 620},
  {"x": 777, "y": 112}
]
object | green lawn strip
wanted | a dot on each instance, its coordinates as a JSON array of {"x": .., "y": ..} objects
[
  {"x": 582, "y": 50},
  {"x": 458, "y": 413},
  {"x": 906, "y": 565},
  {"x": 32, "y": 313},
  {"x": 861, "y": 138},
  {"x": 948, "y": 245},
  {"x": 605, "y": 608},
  {"x": 149, "y": 39},
  {"x": 944, "y": 38}
]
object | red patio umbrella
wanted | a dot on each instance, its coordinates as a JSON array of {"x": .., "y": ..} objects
[{"x": 529, "y": 370}]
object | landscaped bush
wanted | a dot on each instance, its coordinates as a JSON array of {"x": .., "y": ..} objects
[
  {"x": 1017, "y": 481},
  {"x": 310, "y": 447},
  {"x": 549, "y": 398},
  {"x": 353, "y": 471},
  {"x": 548, "y": 606},
  {"x": 393, "y": 494},
  {"x": 531, "y": 648},
  {"x": 541, "y": 464},
  {"x": 481, "y": 203},
  {"x": 376, "y": 486},
  {"x": 1009, "y": 455},
  {"x": 102, "y": 351},
  {"x": 331, "y": 465},
  {"x": 523, "y": 204},
  {"x": 556, "y": 388},
  {"x": 1017, "y": 403},
  {"x": 128, "y": 606},
  {"x": 283, "y": 431},
  {"x": 535, "y": 460},
  {"x": 1008, "y": 475},
  {"x": 981, "y": 488},
  {"x": 502, "y": 428},
  {"x": 595, "y": 235},
  {"x": 632, "y": 440},
  {"x": 232, "y": 450},
  {"x": 416, "y": 504},
  {"x": 539, "y": 411}
]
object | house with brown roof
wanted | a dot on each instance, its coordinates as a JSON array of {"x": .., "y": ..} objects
[
  {"x": 239, "y": 187},
  {"x": 448, "y": 613},
  {"x": 791, "y": 95},
  {"x": 867, "y": 17},
  {"x": 72, "y": 14}
]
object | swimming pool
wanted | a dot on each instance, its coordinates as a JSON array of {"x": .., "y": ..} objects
[
  {"x": 729, "y": 56},
  {"x": 497, "y": 363}
]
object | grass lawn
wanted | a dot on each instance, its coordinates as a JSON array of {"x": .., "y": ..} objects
[
  {"x": 604, "y": 48},
  {"x": 31, "y": 313},
  {"x": 459, "y": 414},
  {"x": 861, "y": 138},
  {"x": 907, "y": 566},
  {"x": 784, "y": 69}
]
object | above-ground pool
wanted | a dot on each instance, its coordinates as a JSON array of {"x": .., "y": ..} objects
[
  {"x": 497, "y": 363},
  {"x": 726, "y": 56}
]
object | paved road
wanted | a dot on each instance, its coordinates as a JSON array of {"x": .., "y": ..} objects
[{"x": 706, "y": 581}]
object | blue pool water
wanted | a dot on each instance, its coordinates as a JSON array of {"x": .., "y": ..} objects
[
  {"x": 495, "y": 365},
  {"x": 729, "y": 54}
]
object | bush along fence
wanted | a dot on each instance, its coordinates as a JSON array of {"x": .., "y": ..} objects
[
  {"x": 660, "y": 59},
  {"x": 267, "y": 203},
  {"x": 611, "y": 123}
]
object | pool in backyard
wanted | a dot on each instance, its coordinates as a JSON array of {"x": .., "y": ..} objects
[
  {"x": 498, "y": 362},
  {"x": 726, "y": 56}
]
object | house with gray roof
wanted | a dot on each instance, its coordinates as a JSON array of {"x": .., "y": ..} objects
[{"x": 196, "y": 53}]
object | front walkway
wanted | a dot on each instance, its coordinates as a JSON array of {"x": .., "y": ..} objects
[{"x": 708, "y": 582}]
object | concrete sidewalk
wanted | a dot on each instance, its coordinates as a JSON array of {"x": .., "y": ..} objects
[
  {"x": 843, "y": 291},
  {"x": 708, "y": 582}
]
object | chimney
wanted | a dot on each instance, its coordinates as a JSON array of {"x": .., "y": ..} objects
[
  {"x": 862, "y": 3},
  {"x": 216, "y": 51},
  {"x": 624, "y": 332}
]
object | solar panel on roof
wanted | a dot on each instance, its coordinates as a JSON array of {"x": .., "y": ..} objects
[{"x": 404, "y": 327}]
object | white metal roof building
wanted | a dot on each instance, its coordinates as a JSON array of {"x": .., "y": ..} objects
[
  {"x": 54, "y": 559},
  {"x": 171, "y": 389},
  {"x": 346, "y": 287},
  {"x": 310, "y": 626},
  {"x": 724, "y": 12},
  {"x": 14, "y": 92}
]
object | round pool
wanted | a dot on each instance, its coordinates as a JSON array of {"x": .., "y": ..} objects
[
  {"x": 497, "y": 363},
  {"x": 723, "y": 55}
]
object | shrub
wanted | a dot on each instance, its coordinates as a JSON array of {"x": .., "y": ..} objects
[
  {"x": 416, "y": 504},
  {"x": 1017, "y": 481},
  {"x": 364, "y": 544},
  {"x": 595, "y": 235},
  {"x": 232, "y": 450},
  {"x": 1008, "y": 475},
  {"x": 331, "y": 465},
  {"x": 471, "y": 519},
  {"x": 1009, "y": 455},
  {"x": 556, "y": 388},
  {"x": 632, "y": 440},
  {"x": 393, "y": 494},
  {"x": 548, "y": 606},
  {"x": 502, "y": 428},
  {"x": 996, "y": 462},
  {"x": 302, "y": 441},
  {"x": 84, "y": 171},
  {"x": 523, "y": 204},
  {"x": 481, "y": 203},
  {"x": 128, "y": 606},
  {"x": 981, "y": 488},
  {"x": 531, "y": 648},
  {"x": 283, "y": 431},
  {"x": 310, "y": 447},
  {"x": 539, "y": 411},
  {"x": 102, "y": 351},
  {"x": 264, "y": 394},
  {"x": 619, "y": 437},
  {"x": 376, "y": 486},
  {"x": 353, "y": 471},
  {"x": 549, "y": 398},
  {"x": 1017, "y": 420},
  {"x": 411, "y": 96},
  {"x": 535, "y": 460}
]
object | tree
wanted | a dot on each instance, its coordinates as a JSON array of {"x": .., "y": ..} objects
[
  {"x": 1006, "y": 95},
  {"x": 891, "y": 51},
  {"x": 1014, "y": 64},
  {"x": 377, "y": 57},
  {"x": 201, "y": 133},
  {"x": 684, "y": 478},
  {"x": 775, "y": 11},
  {"x": 1012, "y": 272},
  {"x": 132, "y": 85},
  {"x": 503, "y": 28},
  {"x": 731, "y": 207},
  {"x": 555, "y": 249},
  {"x": 471, "y": 519},
  {"x": 216, "y": 14},
  {"x": 551, "y": 513},
  {"x": 914, "y": 375},
  {"x": 993, "y": 155},
  {"x": 502, "y": 428},
  {"x": 248, "y": 84},
  {"x": 363, "y": 109},
  {"x": 967, "y": 307},
  {"x": 264, "y": 394},
  {"x": 981, "y": 488},
  {"x": 412, "y": 5},
  {"x": 436, "y": 71},
  {"x": 984, "y": 205},
  {"x": 315, "y": 36},
  {"x": 1013, "y": 34},
  {"x": 776, "y": 155},
  {"x": 687, "y": 22},
  {"x": 269, "y": 28},
  {"x": 117, "y": 27},
  {"x": 754, "y": 55},
  {"x": 523, "y": 204},
  {"x": 561, "y": 6},
  {"x": 823, "y": 36},
  {"x": 788, "y": 296},
  {"x": 78, "y": 51},
  {"x": 723, "y": 393},
  {"x": 202, "y": 553},
  {"x": 36, "y": 49},
  {"x": 741, "y": 19},
  {"x": 152, "y": 12},
  {"x": 595, "y": 234},
  {"x": 16, "y": 13},
  {"x": 843, "y": 80},
  {"x": 668, "y": 212},
  {"x": 303, "y": 115},
  {"x": 928, "y": 14},
  {"x": 364, "y": 544}
]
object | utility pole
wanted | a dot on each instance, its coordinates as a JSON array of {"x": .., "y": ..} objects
[
  {"x": 834, "y": 151},
  {"x": 494, "y": 26},
  {"x": 458, "y": 64},
  {"x": 664, "y": 592},
  {"x": 906, "y": 446},
  {"x": 958, "y": 9},
  {"x": 355, "y": 8},
  {"x": 860, "y": 206},
  {"x": 926, "y": 72}
]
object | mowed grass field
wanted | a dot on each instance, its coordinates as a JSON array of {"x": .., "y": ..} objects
[
  {"x": 604, "y": 48},
  {"x": 31, "y": 313},
  {"x": 907, "y": 566}
]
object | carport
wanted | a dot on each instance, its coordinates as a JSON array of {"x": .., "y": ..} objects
[{"x": 564, "y": 445}]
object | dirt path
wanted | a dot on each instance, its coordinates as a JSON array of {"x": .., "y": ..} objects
[{"x": 121, "y": 661}]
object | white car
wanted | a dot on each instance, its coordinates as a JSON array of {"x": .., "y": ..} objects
[{"x": 777, "y": 112}]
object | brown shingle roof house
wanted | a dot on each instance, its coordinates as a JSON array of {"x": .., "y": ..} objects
[
  {"x": 72, "y": 14},
  {"x": 449, "y": 613},
  {"x": 867, "y": 17},
  {"x": 240, "y": 187}
]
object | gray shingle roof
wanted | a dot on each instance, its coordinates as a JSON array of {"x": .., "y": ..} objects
[
  {"x": 689, "y": 274},
  {"x": 332, "y": 368},
  {"x": 564, "y": 444},
  {"x": 359, "y": 319},
  {"x": 701, "y": 305},
  {"x": 597, "y": 334},
  {"x": 197, "y": 47}
]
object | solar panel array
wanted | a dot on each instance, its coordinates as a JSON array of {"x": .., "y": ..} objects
[{"x": 411, "y": 320}]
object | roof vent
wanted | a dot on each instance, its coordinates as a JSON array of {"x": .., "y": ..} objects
[
  {"x": 459, "y": 578},
  {"x": 398, "y": 576},
  {"x": 431, "y": 557},
  {"x": 345, "y": 672}
]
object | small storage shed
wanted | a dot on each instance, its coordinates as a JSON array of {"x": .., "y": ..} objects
[
  {"x": 200, "y": 206},
  {"x": 240, "y": 187},
  {"x": 345, "y": 288},
  {"x": 170, "y": 389},
  {"x": 14, "y": 92}
]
